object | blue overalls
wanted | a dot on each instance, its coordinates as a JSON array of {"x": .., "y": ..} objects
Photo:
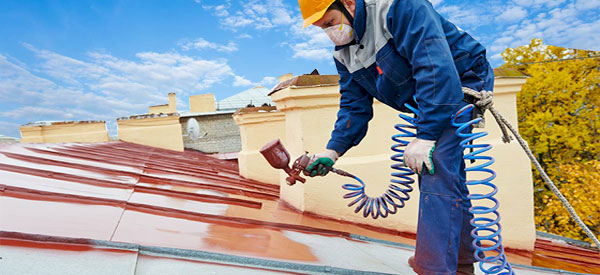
[{"x": 404, "y": 48}]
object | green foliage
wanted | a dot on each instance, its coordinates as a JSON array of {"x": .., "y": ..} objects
[{"x": 559, "y": 116}]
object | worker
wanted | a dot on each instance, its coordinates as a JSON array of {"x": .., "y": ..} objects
[{"x": 403, "y": 52}]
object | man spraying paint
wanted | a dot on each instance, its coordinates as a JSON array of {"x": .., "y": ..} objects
[{"x": 403, "y": 52}]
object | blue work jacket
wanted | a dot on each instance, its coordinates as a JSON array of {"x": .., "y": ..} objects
[{"x": 402, "y": 48}]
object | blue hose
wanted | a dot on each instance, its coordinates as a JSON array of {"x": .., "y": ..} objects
[
  {"x": 486, "y": 226},
  {"x": 485, "y": 229},
  {"x": 398, "y": 191}
]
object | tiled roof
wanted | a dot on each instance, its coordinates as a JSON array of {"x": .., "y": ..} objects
[{"x": 122, "y": 208}]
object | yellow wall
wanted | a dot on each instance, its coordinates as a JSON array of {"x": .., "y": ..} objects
[
  {"x": 256, "y": 129},
  {"x": 165, "y": 108},
  {"x": 172, "y": 103},
  {"x": 31, "y": 134},
  {"x": 159, "y": 109},
  {"x": 310, "y": 113},
  {"x": 203, "y": 103},
  {"x": 157, "y": 131},
  {"x": 65, "y": 132}
]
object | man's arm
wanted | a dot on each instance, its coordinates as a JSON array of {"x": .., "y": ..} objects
[
  {"x": 419, "y": 37},
  {"x": 356, "y": 110}
]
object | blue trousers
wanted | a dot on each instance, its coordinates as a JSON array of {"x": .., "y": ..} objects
[{"x": 444, "y": 229}]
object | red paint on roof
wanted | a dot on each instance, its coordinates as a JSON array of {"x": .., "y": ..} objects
[{"x": 123, "y": 192}]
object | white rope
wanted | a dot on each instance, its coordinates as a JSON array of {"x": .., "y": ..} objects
[{"x": 484, "y": 101}]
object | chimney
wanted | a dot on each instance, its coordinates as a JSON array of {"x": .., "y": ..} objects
[
  {"x": 285, "y": 77},
  {"x": 204, "y": 103},
  {"x": 172, "y": 103}
]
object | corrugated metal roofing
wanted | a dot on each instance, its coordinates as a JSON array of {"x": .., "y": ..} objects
[
  {"x": 218, "y": 112},
  {"x": 140, "y": 210},
  {"x": 256, "y": 96}
]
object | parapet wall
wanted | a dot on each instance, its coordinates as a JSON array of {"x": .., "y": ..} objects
[
  {"x": 162, "y": 131},
  {"x": 61, "y": 132},
  {"x": 257, "y": 126}
]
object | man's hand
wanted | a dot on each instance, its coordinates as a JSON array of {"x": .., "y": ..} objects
[
  {"x": 419, "y": 153},
  {"x": 320, "y": 163}
]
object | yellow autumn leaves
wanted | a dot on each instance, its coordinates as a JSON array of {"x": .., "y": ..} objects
[{"x": 559, "y": 116}]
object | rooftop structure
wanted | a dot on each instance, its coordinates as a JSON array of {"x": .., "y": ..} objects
[
  {"x": 122, "y": 208},
  {"x": 64, "y": 131},
  {"x": 5, "y": 139},
  {"x": 256, "y": 96}
]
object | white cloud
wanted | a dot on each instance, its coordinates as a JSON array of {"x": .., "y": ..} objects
[
  {"x": 538, "y": 3},
  {"x": 301, "y": 51},
  {"x": 256, "y": 14},
  {"x": 310, "y": 43},
  {"x": 512, "y": 14},
  {"x": 104, "y": 87},
  {"x": 435, "y": 3},
  {"x": 201, "y": 44},
  {"x": 240, "y": 81},
  {"x": 560, "y": 26},
  {"x": 463, "y": 16},
  {"x": 587, "y": 4},
  {"x": 244, "y": 35}
]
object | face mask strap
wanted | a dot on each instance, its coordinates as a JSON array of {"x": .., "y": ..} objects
[{"x": 344, "y": 11}]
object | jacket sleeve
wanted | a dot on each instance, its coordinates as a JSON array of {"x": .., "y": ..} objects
[
  {"x": 419, "y": 37},
  {"x": 356, "y": 110}
]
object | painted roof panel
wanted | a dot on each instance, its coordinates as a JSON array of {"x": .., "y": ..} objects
[{"x": 186, "y": 209}]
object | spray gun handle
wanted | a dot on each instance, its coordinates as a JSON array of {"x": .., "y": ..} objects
[{"x": 297, "y": 168}]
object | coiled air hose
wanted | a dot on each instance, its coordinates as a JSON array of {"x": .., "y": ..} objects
[
  {"x": 398, "y": 191},
  {"x": 486, "y": 223}
]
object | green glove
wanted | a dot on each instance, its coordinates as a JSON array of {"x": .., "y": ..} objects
[
  {"x": 321, "y": 163},
  {"x": 319, "y": 167}
]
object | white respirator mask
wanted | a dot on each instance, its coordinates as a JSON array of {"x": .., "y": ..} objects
[{"x": 340, "y": 34}]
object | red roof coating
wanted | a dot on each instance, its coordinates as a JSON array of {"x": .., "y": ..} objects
[{"x": 127, "y": 193}]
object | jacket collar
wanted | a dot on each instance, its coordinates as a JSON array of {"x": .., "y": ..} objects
[{"x": 359, "y": 19}]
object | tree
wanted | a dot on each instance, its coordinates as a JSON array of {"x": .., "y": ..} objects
[{"x": 559, "y": 116}]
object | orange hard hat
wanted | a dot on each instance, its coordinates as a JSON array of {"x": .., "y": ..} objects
[{"x": 313, "y": 10}]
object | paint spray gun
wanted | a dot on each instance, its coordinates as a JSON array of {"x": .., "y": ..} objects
[{"x": 279, "y": 158}]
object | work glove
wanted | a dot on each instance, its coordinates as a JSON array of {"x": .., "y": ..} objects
[
  {"x": 418, "y": 155},
  {"x": 320, "y": 164}
]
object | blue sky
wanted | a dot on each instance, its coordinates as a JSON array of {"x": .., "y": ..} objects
[{"x": 99, "y": 60}]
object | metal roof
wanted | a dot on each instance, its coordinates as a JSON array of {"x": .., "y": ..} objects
[
  {"x": 5, "y": 139},
  {"x": 256, "y": 96},
  {"x": 218, "y": 112},
  {"x": 122, "y": 208}
]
